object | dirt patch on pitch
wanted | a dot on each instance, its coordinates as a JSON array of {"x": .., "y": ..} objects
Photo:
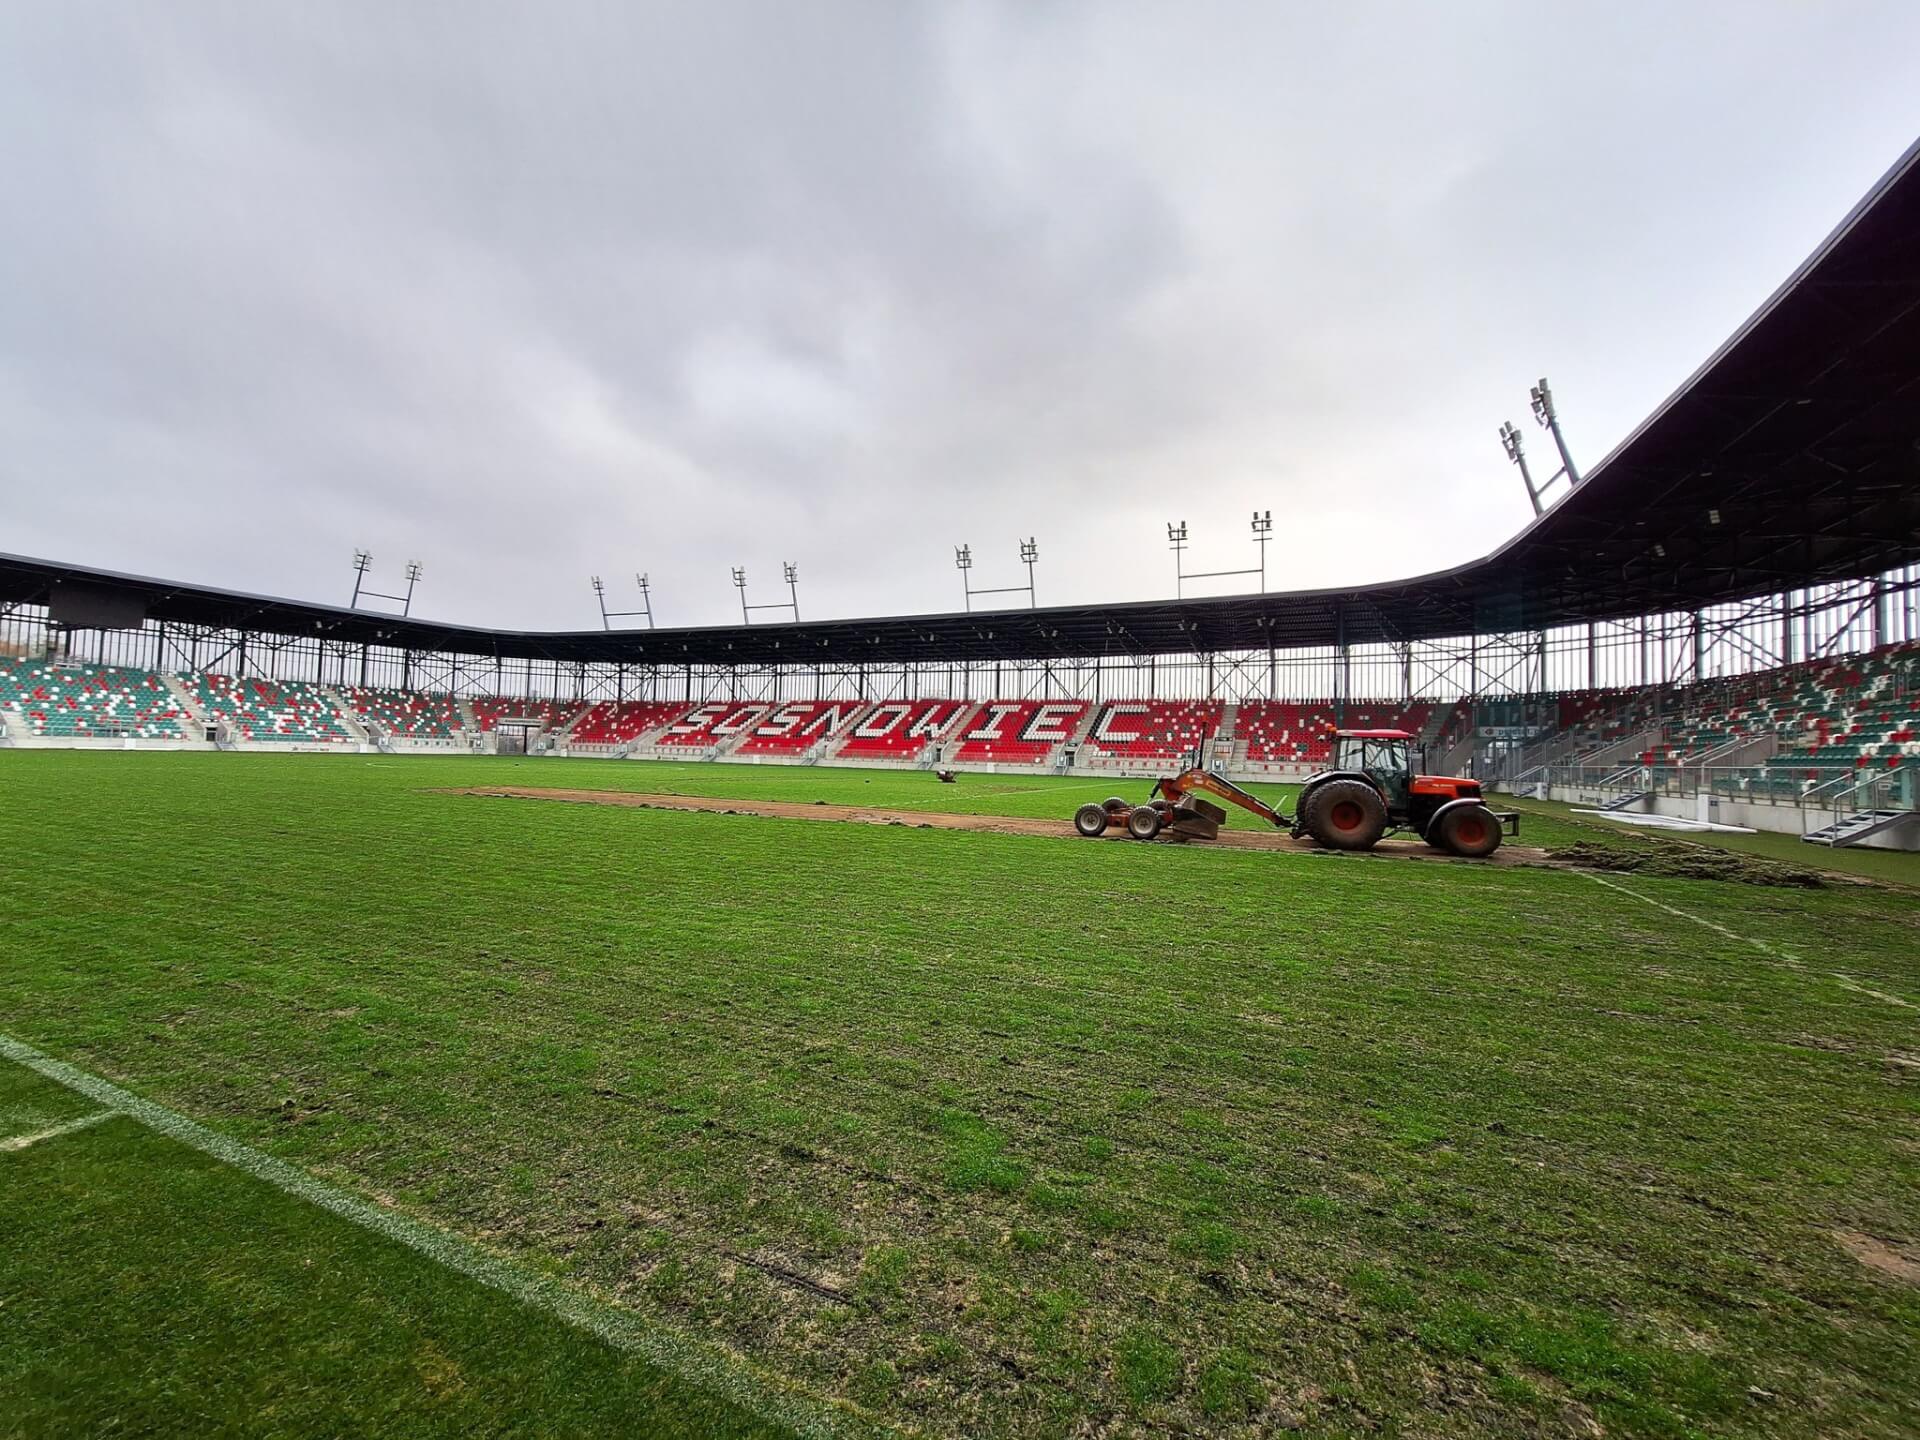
[
  {"x": 1405, "y": 848},
  {"x": 1896, "y": 1262}
]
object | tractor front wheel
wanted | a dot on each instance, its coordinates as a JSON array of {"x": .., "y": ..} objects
[
  {"x": 1091, "y": 821},
  {"x": 1469, "y": 830},
  {"x": 1143, "y": 822},
  {"x": 1345, "y": 814}
]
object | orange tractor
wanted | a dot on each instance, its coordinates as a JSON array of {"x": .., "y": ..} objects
[{"x": 1372, "y": 788}]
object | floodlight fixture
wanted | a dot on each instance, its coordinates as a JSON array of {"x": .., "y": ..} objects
[{"x": 1541, "y": 398}]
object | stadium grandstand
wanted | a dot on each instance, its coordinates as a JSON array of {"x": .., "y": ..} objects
[{"x": 1719, "y": 620}]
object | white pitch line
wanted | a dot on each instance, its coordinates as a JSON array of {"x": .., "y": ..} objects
[
  {"x": 1785, "y": 960},
  {"x": 1759, "y": 945},
  {"x": 21, "y": 1142},
  {"x": 699, "y": 1362}
]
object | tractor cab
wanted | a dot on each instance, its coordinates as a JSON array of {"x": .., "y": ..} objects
[{"x": 1386, "y": 757}]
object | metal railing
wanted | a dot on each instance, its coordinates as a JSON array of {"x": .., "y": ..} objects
[
  {"x": 1863, "y": 792},
  {"x": 1844, "y": 793}
]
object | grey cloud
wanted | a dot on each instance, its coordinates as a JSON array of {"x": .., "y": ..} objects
[{"x": 533, "y": 292}]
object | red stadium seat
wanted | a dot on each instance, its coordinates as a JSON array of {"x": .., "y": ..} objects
[
  {"x": 795, "y": 728},
  {"x": 1020, "y": 732},
  {"x": 900, "y": 729}
]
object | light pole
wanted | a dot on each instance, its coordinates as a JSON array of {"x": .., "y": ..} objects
[
  {"x": 792, "y": 573},
  {"x": 362, "y": 564},
  {"x": 607, "y": 617},
  {"x": 1177, "y": 542},
  {"x": 963, "y": 562}
]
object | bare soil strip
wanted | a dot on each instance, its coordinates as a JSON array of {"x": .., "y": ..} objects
[{"x": 1403, "y": 848}]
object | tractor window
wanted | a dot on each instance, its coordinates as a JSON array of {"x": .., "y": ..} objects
[{"x": 1375, "y": 757}]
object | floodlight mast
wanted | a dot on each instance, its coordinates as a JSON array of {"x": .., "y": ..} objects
[
  {"x": 1029, "y": 556},
  {"x": 362, "y": 563},
  {"x": 1549, "y": 418},
  {"x": 792, "y": 574},
  {"x": 1540, "y": 400},
  {"x": 607, "y": 617},
  {"x": 1177, "y": 542}
]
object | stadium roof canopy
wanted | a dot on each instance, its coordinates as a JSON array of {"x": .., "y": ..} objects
[{"x": 1791, "y": 458}]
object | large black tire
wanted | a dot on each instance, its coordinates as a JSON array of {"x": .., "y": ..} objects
[
  {"x": 1345, "y": 814},
  {"x": 1143, "y": 822},
  {"x": 1091, "y": 821},
  {"x": 1468, "y": 830},
  {"x": 1114, "y": 802}
]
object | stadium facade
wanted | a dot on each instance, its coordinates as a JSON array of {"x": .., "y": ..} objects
[{"x": 1725, "y": 563}]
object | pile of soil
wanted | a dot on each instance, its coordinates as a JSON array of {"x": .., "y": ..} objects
[{"x": 1690, "y": 862}]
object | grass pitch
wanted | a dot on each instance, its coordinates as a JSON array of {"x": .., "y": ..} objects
[{"x": 968, "y": 1133}]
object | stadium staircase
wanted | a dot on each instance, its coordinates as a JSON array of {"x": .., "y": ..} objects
[
  {"x": 938, "y": 747},
  {"x": 1077, "y": 742},
  {"x": 348, "y": 719},
  {"x": 189, "y": 704},
  {"x": 934, "y": 749},
  {"x": 1859, "y": 826},
  {"x": 1223, "y": 737}
]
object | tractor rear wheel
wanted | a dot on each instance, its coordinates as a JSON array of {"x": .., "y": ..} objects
[
  {"x": 1143, "y": 822},
  {"x": 1345, "y": 814},
  {"x": 1091, "y": 821},
  {"x": 1468, "y": 830},
  {"x": 1114, "y": 802}
]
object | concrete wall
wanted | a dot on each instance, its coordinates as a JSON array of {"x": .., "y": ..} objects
[{"x": 1778, "y": 819}]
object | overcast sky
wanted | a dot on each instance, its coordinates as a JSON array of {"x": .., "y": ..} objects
[{"x": 529, "y": 292}]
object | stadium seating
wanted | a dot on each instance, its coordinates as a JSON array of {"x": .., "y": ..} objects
[
  {"x": 1284, "y": 731},
  {"x": 615, "y": 722},
  {"x": 715, "y": 722},
  {"x": 489, "y": 711},
  {"x": 277, "y": 711},
  {"x": 901, "y": 729},
  {"x": 796, "y": 727},
  {"x": 406, "y": 714},
  {"x": 1020, "y": 732},
  {"x": 1827, "y": 717},
  {"x": 1300, "y": 731},
  {"x": 1153, "y": 729},
  {"x": 85, "y": 702}
]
